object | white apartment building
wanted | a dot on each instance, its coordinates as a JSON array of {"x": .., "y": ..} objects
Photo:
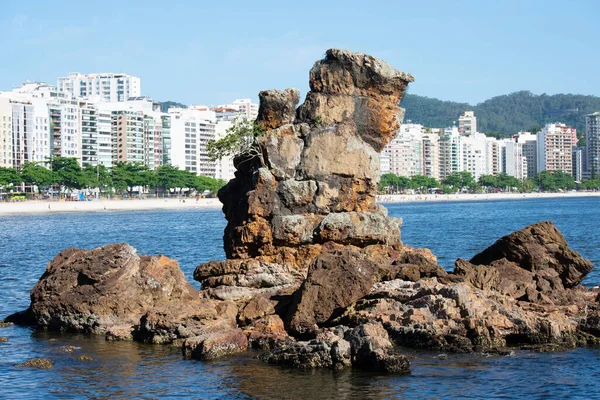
[
  {"x": 431, "y": 153},
  {"x": 467, "y": 123},
  {"x": 109, "y": 87},
  {"x": 224, "y": 168},
  {"x": 474, "y": 153},
  {"x": 89, "y": 134},
  {"x": 554, "y": 148},
  {"x": 405, "y": 152},
  {"x": 6, "y": 158},
  {"x": 105, "y": 142},
  {"x": 494, "y": 149},
  {"x": 239, "y": 106},
  {"x": 190, "y": 131},
  {"x": 451, "y": 152},
  {"x": 592, "y": 145},
  {"x": 529, "y": 148},
  {"x": 139, "y": 132},
  {"x": 578, "y": 167},
  {"x": 515, "y": 163}
]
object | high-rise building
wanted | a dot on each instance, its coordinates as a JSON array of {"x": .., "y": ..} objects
[
  {"x": 107, "y": 87},
  {"x": 190, "y": 131},
  {"x": 493, "y": 154},
  {"x": 431, "y": 153},
  {"x": 578, "y": 156},
  {"x": 467, "y": 123},
  {"x": 592, "y": 145},
  {"x": 89, "y": 134},
  {"x": 405, "y": 151},
  {"x": 6, "y": 158},
  {"x": 105, "y": 142},
  {"x": 529, "y": 150},
  {"x": 239, "y": 106},
  {"x": 451, "y": 152},
  {"x": 554, "y": 148},
  {"x": 474, "y": 153},
  {"x": 515, "y": 163},
  {"x": 128, "y": 136}
]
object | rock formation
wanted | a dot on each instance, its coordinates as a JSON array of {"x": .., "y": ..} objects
[{"x": 316, "y": 274}]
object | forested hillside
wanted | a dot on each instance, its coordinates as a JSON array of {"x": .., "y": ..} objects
[{"x": 507, "y": 114}]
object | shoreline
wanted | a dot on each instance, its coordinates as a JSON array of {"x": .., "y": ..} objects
[
  {"x": 51, "y": 207},
  {"x": 414, "y": 198},
  {"x": 48, "y": 207}
]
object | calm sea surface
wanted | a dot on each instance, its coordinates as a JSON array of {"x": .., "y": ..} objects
[{"x": 132, "y": 370}]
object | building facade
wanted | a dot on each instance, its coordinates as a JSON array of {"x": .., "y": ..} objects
[
  {"x": 592, "y": 145},
  {"x": 554, "y": 148},
  {"x": 108, "y": 87},
  {"x": 467, "y": 123}
]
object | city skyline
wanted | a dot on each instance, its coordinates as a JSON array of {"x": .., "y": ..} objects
[{"x": 465, "y": 51}]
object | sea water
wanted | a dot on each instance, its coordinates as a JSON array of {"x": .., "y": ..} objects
[{"x": 134, "y": 370}]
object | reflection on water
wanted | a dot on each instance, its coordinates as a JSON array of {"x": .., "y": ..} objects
[{"x": 133, "y": 370}]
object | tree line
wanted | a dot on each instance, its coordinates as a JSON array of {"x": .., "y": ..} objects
[
  {"x": 122, "y": 178},
  {"x": 546, "y": 181}
]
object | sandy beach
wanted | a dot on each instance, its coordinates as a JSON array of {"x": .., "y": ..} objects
[{"x": 35, "y": 207}]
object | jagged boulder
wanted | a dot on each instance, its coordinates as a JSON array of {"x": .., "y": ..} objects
[
  {"x": 92, "y": 291},
  {"x": 539, "y": 248},
  {"x": 334, "y": 281}
]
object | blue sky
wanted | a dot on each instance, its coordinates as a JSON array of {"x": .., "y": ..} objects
[{"x": 211, "y": 52}]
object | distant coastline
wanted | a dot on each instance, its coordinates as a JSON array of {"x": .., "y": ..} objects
[
  {"x": 39, "y": 207},
  {"x": 410, "y": 198}
]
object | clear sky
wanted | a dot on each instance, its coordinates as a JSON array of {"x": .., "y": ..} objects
[{"x": 211, "y": 52}]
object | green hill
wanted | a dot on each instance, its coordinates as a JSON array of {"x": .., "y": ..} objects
[{"x": 507, "y": 114}]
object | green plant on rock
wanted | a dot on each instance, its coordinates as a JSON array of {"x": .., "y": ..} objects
[
  {"x": 240, "y": 140},
  {"x": 318, "y": 120}
]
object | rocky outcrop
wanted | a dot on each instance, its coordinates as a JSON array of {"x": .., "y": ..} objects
[
  {"x": 539, "y": 248},
  {"x": 314, "y": 180},
  {"x": 316, "y": 274},
  {"x": 92, "y": 291}
]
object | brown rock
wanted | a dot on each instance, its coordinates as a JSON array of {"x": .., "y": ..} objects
[
  {"x": 360, "y": 229},
  {"x": 167, "y": 324},
  {"x": 324, "y": 161},
  {"x": 536, "y": 248},
  {"x": 92, "y": 291},
  {"x": 334, "y": 281},
  {"x": 41, "y": 363},
  {"x": 214, "y": 345},
  {"x": 258, "y": 307},
  {"x": 277, "y": 108},
  {"x": 3, "y": 339}
]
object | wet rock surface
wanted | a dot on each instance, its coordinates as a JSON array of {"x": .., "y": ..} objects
[
  {"x": 41, "y": 363},
  {"x": 316, "y": 274}
]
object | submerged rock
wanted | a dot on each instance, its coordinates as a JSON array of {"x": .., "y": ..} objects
[
  {"x": 3, "y": 339},
  {"x": 41, "y": 363}
]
